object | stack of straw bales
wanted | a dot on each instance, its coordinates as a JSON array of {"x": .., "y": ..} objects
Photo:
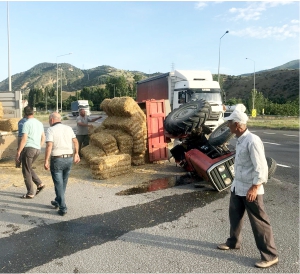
[{"x": 122, "y": 138}]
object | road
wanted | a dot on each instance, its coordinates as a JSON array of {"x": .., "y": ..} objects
[{"x": 175, "y": 230}]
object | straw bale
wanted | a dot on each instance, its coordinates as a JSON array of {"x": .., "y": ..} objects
[
  {"x": 129, "y": 125},
  {"x": 105, "y": 141},
  {"x": 91, "y": 152},
  {"x": 126, "y": 107},
  {"x": 124, "y": 140},
  {"x": 105, "y": 106},
  {"x": 9, "y": 124},
  {"x": 138, "y": 159},
  {"x": 106, "y": 174},
  {"x": 1, "y": 111},
  {"x": 112, "y": 164},
  {"x": 99, "y": 128}
]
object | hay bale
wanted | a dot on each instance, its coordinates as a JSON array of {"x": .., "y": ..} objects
[
  {"x": 9, "y": 124},
  {"x": 110, "y": 166},
  {"x": 105, "y": 141},
  {"x": 138, "y": 159},
  {"x": 130, "y": 125},
  {"x": 124, "y": 140},
  {"x": 126, "y": 107},
  {"x": 99, "y": 128},
  {"x": 105, "y": 106},
  {"x": 1, "y": 111},
  {"x": 91, "y": 152}
]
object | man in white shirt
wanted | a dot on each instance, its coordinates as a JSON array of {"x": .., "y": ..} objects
[
  {"x": 60, "y": 141},
  {"x": 251, "y": 171},
  {"x": 83, "y": 128}
]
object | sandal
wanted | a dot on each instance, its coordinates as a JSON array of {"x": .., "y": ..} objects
[
  {"x": 39, "y": 189},
  {"x": 26, "y": 196}
]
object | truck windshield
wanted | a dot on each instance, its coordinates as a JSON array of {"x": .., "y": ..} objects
[
  {"x": 212, "y": 94},
  {"x": 83, "y": 106}
]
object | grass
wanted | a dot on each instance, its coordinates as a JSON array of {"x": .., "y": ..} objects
[
  {"x": 271, "y": 122},
  {"x": 268, "y": 122}
]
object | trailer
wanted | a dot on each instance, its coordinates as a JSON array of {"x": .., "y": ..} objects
[{"x": 184, "y": 86}]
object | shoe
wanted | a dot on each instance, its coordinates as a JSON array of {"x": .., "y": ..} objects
[
  {"x": 55, "y": 204},
  {"x": 39, "y": 189},
  {"x": 61, "y": 213},
  {"x": 26, "y": 196},
  {"x": 265, "y": 264},
  {"x": 225, "y": 247}
]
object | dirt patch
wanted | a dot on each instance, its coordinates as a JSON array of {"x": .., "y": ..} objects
[{"x": 81, "y": 172}]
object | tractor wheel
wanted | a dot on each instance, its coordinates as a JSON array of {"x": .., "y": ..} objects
[
  {"x": 187, "y": 117},
  {"x": 220, "y": 135}
]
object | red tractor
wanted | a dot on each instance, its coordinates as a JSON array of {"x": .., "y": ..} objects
[{"x": 203, "y": 153}]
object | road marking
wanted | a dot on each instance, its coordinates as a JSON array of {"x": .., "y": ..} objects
[
  {"x": 269, "y": 133},
  {"x": 272, "y": 143},
  {"x": 283, "y": 165},
  {"x": 290, "y": 135}
]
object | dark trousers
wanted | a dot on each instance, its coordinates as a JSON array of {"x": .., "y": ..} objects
[
  {"x": 260, "y": 224},
  {"x": 83, "y": 140},
  {"x": 29, "y": 155}
]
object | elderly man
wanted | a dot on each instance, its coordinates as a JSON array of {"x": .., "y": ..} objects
[
  {"x": 60, "y": 140},
  {"x": 33, "y": 137},
  {"x": 251, "y": 171},
  {"x": 83, "y": 125}
]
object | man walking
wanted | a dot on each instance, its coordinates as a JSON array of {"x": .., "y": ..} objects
[
  {"x": 60, "y": 140},
  {"x": 83, "y": 128},
  {"x": 20, "y": 134},
  {"x": 251, "y": 171},
  {"x": 32, "y": 140}
]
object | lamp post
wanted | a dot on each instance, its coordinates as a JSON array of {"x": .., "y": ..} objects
[
  {"x": 253, "y": 84},
  {"x": 57, "y": 79},
  {"x": 219, "y": 56},
  {"x": 61, "y": 108}
]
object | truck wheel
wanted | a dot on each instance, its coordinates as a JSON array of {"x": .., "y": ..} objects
[
  {"x": 187, "y": 117},
  {"x": 220, "y": 135},
  {"x": 272, "y": 165}
]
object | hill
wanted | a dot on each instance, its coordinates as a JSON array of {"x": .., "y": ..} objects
[{"x": 279, "y": 84}]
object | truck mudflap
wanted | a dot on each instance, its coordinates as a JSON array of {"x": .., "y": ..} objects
[
  {"x": 218, "y": 171},
  {"x": 8, "y": 144}
]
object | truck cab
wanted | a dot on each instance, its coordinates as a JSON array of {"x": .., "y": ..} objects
[{"x": 195, "y": 85}]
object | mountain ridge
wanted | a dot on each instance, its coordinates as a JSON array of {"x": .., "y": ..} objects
[{"x": 280, "y": 83}]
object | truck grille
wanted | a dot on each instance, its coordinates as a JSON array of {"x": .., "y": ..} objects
[
  {"x": 214, "y": 116},
  {"x": 219, "y": 179}
]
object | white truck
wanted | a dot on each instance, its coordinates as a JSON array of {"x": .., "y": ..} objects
[
  {"x": 184, "y": 86},
  {"x": 79, "y": 104}
]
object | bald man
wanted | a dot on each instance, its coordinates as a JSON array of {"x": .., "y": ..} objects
[{"x": 62, "y": 149}]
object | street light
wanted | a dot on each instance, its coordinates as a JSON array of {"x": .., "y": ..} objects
[
  {"x": 219, "y": 56},
  {"x": 57, "y": 79},
  {"x": 253, "y": 84}
]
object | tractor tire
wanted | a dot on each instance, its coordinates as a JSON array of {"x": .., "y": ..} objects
[
  {"x": 272, "y": 165},
  {"x": 187, "y": 117},
  {"x": 220, "y": 135}
]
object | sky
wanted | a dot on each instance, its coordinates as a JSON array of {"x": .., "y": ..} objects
[{"x": 150, "y": 36}]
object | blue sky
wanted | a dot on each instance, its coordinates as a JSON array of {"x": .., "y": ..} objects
[{"x": 150, "y": 36}]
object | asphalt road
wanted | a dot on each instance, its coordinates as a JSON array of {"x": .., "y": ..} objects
[{"x": 175, "y": 230}]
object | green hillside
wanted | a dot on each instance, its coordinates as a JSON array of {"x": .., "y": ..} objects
[{"x": 279, "y": 84}]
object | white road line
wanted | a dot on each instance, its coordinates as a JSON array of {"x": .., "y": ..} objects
[
  {"x": 269, "y": 133},
  {"x": 290, "y": 135},
  {"x": 272, "y": 143},
  {"x": 283, "y": 165}
]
